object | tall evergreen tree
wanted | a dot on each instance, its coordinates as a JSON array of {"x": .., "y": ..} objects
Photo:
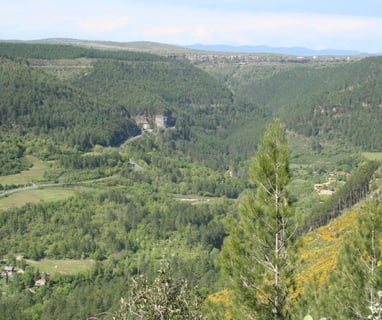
[{"x": 255, "y": 254}]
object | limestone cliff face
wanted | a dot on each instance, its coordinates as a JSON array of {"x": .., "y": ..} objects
[
  {"x": 152, "y": 122},
  {"x": 160, "y": 121}
]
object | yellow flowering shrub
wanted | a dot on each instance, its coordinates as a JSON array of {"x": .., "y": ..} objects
[
  {"x": 320, "y": 248},
  {"x": 222, "y": 297}
]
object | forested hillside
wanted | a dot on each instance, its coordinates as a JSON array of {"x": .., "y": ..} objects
[
  {"x": 340, "y": 101},
  {"x": 117, "y": 164},
  {"x": 33, "y": 102},
  {"x": 154, "y": 86},
  {"x": 111, "y": 89},
  {"x": 334, "y": 278}
]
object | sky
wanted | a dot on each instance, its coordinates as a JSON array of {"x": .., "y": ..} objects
[{"x": 321, "y": 24}]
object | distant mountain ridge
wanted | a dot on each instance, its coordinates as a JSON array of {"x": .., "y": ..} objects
[
  {"x": 295, "y": 51},
  {"x": 162, "y": 48}
]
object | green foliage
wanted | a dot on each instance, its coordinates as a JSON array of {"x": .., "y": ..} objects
[
  {"x": 154, "y": 86},
  {"x": 164, "y": 298},
  {"x": 327, "y": 100},
  {"x": 40, "y": 104},
  {"x": 98, "y": 225},
  {"x": 125, "y": 84},
  {"x": 12, "y": 155},
  {"x": 198, "y": 107},
  {"x": 255, "y": 254},
  {"x": 77, "y": 161},
  {"x": 309, "y": 317},
  {"x": 350, "y": 289},
  {"x": 354, "y": 190},
  {"x": 54, "y": 51},
  {"x": 357, "y": 266},
  {"x": 129, "y": 209}
]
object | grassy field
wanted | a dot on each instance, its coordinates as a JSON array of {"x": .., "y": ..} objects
[
  {"x": 34, "y": 174},
  {"x": 372, "y": 155},
  {"x": 62, "y": 266},
  {"x": 18, "y": 199}
]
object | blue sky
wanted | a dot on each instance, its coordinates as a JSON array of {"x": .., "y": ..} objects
[{"x": 335, "y": 24}]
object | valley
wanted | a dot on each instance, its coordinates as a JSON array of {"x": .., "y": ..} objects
[{"x": 119, "y": 159}]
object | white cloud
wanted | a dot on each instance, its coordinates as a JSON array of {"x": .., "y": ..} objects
[
  {"x": 276, "y": 29},
  {"x": 101, "y": 24},
  {"x": 343, "y": 24},
  {"x": 185, "y": 22}
]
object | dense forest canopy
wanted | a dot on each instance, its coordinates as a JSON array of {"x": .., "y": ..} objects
[
  {"x": 98, "y": 106},
  {"x": 341, "y": 101},
  {"x": 34, "y": 102},
  {"x": 55, "y": 51},
  {"x": 153, "y": 86}
]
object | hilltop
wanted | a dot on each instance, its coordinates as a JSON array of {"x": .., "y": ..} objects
[{"x": 292, "y": 51}]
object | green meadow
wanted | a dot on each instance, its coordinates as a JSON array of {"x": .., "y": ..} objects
[
  {"x": 34, "y": 174},
  {"x": 68, "y": 266},
  {"x": 372, "y": 155},
  {"x": 18, "y": 199}
]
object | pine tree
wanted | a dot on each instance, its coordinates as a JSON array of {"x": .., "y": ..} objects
[{"x": 255, "y": 254}]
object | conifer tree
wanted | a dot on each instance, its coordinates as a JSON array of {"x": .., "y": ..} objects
[{"x": 255, "y": 254}]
